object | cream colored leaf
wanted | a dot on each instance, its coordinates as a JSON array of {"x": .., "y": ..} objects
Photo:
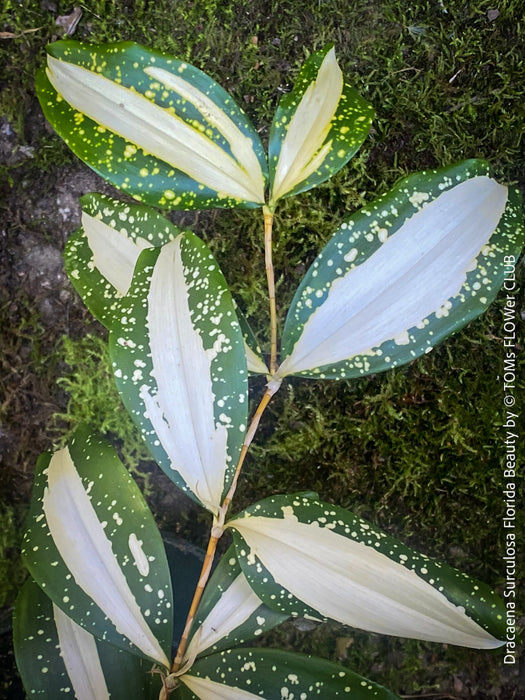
[
  {"x": 156, "y": 130},
  {"x": 206, "y": 689},
  {"x": 83, "y": 545},
  {"x": 303, "y": 149},
  {"x": 412, "y": 275},
  {"x": 232, "y": 609},
  {"x": 182, "y": 408},
  {"x": 254, "y": 362},
  {"x": 241, "y": 146},
  {"x": 80, "y": 655},
  {"x": 114, "y": 253},
  {"x": 355, "y": 584}
]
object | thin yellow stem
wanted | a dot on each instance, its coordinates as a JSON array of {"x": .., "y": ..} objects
[
  {"x": 250, "y": 433},
  {"x": 268, "y": 224},
  {"x": 203, "y": 579}
]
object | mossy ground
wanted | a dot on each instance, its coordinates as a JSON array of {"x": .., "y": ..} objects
[{"x": 418, "y": 450}]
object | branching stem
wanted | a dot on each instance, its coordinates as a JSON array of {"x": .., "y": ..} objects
[{"x": 203, "y": 579}]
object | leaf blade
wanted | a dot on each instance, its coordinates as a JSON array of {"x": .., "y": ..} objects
[
  {"x": 180, "y": 367},
  {"x": 304, "y": 556},
  {"x": 88, "y": 515},
  {"x": 230, "y": 613},
  {"x": 53, "y": 654},
  {"x": 101, "y": 256},
  {"x": 152, "y": 125},
  {"x": 243, "y": 674},
  {"x": 317, "y": 128},
  {"x": 399, "y": 277}
]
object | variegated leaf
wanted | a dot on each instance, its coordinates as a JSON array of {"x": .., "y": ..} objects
[
  {"x": 56, "y": 657},
  {"x": 179, "y": 363},
  {"x": 317, "y": 128},
  {"x": 154, "y": 126},
  {"x": 247, "y": 674},
  {"x": 306, "y": 557},
  {"x": 403, "y": 273},
  {"x": 230, "y": 613},
  {"x": 91, "y": 543},
  {"x": 100, "y": 257}
]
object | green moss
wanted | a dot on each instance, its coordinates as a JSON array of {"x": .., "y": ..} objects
[
  {"x": 12, "y": 571},
  {"x": 93, "y": 399}
]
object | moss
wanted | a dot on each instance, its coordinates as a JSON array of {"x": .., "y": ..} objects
[{"x": 12, "y": 571}]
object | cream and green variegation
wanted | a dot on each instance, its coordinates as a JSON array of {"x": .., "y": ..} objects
[
  {"x": 247, "y": 674},
  {"x": 178, "y": 358},
  {"x": 154, "y": 126},
  {"x": 91, "y": 543},
  {"x": 397, "y": 277},
  {"x": 100, "y": 256},
  {"x": 403, "y": 273},
  {"x": 306, "y": 557},
  {"x": 317, "y": 127},
  {"x": 230, "y": 613},
  {"x": 56, "y": 657}
]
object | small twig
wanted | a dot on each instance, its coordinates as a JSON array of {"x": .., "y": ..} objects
[
  {"x": 271, "y": 389},
  {"x": 268, "y": 223},
  {"x": 203, "y": 579},
  {"x": 11, "y": 35}
]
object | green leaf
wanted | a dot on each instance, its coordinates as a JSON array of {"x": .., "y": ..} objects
[
  {"x": 54, "y": 655},
  {"x": 403, "y": 273},
  {"x": 100, "y": 257},
  {"x": 91, "y": 543},
  {"x": 229, "y": 613},
  {"x": 179, "y": 363},
  {"x": 243, "y": 674},
  {"x": 317, "y": 128},
  {"x": 154, "y": 126},
  {"x": 306, "y": 557}
]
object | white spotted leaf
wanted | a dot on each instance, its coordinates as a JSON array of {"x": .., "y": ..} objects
[
  {"x": 403, "y": 273},
  {"x": 92, "y": 544},
  {"x": 54, "y": 655},
  {"x": 152, "y": 125},
  {"x": 249, "y": 674},
  {"x": 317, "y": 128},
  {"x": 179, "y": 363},
  {"x": 100, "y": 257},
  {"x": 230, "y": 613},
  {"x": 306, "y": 557}
]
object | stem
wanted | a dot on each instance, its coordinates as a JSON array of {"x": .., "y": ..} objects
[
  {"x": 268, "y": 223},
  {"x": 203, "y": 579},
  {"x": 218, "y": 525},
  {"x": 250, "y": 433}
]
